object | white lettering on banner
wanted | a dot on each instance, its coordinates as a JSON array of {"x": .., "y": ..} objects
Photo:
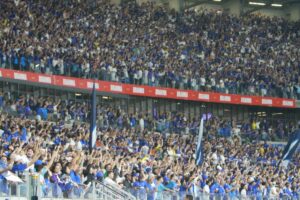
[
  {"x": 138, "y": 90},
  {"x": 45, "y": 79},
  {"x": 161, "y": 92},
  {"x": 225, "y": 98},
  {"x": 267, "y": 101},
  {"x": 0, "y": 74},
  {"x": 287, "y": 103},
  {"x": 116, "y": 88},
  {"x": 203, "y": 96},
  {"x": 68, "y": 82},
  {"x": 20, "y": 76},
  {"x": 246, "y": 100},
  {"x": 90, "y": 85},
  {"x": 182, "y": 94}
]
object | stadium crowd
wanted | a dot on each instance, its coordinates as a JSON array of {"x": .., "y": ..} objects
[
  {"x": 133, "y": 156},
  {"x": 69, "y": 111},
  {"x": 145, "y": 44}
]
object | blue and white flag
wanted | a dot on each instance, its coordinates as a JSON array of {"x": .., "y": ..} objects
[
  {"x": 93, "y": 127},
  {"x": 291, "y": 146},
  {"x": 199, "y": 151}
]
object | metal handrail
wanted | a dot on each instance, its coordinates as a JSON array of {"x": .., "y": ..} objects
[{"x": 118, "y": 191}]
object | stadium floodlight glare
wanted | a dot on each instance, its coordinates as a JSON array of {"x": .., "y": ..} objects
[
  {"x": 276, "y": 5},
  {"x": 217, "y": 0},
  {"x": 257, "y": 3}
]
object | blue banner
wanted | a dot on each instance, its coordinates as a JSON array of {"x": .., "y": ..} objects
[
  {"x": 291, "y": 146},
  {"x": 93, "y": 127}
]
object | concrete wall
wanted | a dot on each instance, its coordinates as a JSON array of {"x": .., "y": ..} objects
[
  {"x": 176, "y": 4},
  {"x": 208, "y": 7},
  {"x": 273, "y": 12},
  {"x": 233, "y": 6},
  {"x": 294, "y": 12}
]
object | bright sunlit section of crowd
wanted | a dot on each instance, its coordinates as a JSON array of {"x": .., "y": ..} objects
[
  {"x": 135, "y": 154},
  {"x": 147, "y": 155}
]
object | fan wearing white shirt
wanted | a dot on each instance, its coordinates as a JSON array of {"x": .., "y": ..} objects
[
  {"x": 244, "y": 192},
  {"x": 206, "y": 190},
  {"x": 274, "y": 193}
]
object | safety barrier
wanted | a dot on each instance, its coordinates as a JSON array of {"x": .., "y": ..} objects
[{"x": 32, "y": 187}]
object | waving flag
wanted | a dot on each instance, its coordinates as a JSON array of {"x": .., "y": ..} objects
[
  {"x": 291, "y": 146},
  {"x": 199, "y": 151},
  {"x": 93, "y": 127}
]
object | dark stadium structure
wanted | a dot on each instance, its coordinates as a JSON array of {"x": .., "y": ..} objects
[{"x": 135, "y": 104}]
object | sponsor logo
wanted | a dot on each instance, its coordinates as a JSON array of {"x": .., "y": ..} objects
[
  {"x": 225, "y": 98},
  {"x": 182, "y": 94},
  {"x": 160, "y": 92},
  {"x": 45, "y": 79},
  {"x": 20, "y": 76},
  {"x": 267, "y": 101},
  {"x": 116, "y": 88},
  {"x": 287, "y": 103},
  {"x": 90, "y": 85},
  {"x": 138, "y": 90},
  {"x": 68, "y": 82},
  {"x": 203, "y": 96},
  {"x": 246, "y": 100}
]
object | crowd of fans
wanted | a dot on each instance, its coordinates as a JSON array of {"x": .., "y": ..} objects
[
  {"x": 69, "y": 111},
  {"x": 144, "y": 44},
  {"x": 149, "y": 154},
  {"x": 132, "y": 155}
]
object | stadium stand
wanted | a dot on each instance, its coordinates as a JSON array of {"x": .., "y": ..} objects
[
  {"x": 48, "y": 109},
  {"x": 144, "y": 155},
  {"x": 206, "y": 51},
  {"x": 134, "y": 153}
]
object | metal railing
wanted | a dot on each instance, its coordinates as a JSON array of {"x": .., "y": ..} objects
[
  {"x": 10, "y": 190},
  {"x": 110, "y": 192},
  {"x": 32, "y": 187},
  {"x": 143, "y": 194}
]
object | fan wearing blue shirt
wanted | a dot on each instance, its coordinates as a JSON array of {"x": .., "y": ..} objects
[
  {"x": 228, "y": 190},
  {"x": 222, "y": 191},
  {"x": 138, "y": 185},
  {"x": 1, "y": 100},
  {"x": 150, "y": 188},
  {"x": 75, "y": 178},
  {"x": 3, "y": 182},
  {"x": 160, "y": 187},
  {"x": 214, "y": 188},
  {"x": 23, "y": 132},
  {"x": 287, "y": 192},
  {"x": 15, "y": 134},
  {"x": 172, "y": 185},
  {"x": 7, "y": 136},
  {"x": 43, "y": 112}
]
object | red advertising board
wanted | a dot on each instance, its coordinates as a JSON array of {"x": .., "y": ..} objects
[{"x": 141, "y": 90}]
